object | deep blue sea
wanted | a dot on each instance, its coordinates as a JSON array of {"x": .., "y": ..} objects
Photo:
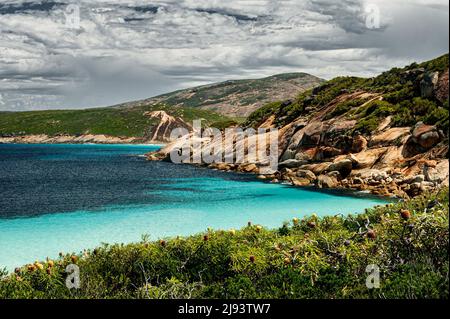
[{"x": 66, "y": 198}]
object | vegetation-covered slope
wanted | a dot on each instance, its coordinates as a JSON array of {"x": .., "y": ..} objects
[
  {"x": 239, "y": 98},
  {"x": 308, "y": 258},
  {"x": 409, "y": 94},
  {"x": 387, "y": 135},
  {"x": 218, "y": 104},
  {"x": 126, "y": 122}
]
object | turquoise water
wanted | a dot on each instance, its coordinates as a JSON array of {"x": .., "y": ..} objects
[{"x": 158, "y": 199}]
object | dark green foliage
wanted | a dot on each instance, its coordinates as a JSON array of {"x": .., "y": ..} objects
[
  {"x": 336, "y": 87},
  {"x": 295, "y": 261},
  {"x": 437, "y": 65},
  {"x": 407, "y": 113},
  {"x": 404, "y": 94},
  {"x": 370, "y": 115},
  {"x": 439, "y": 117},
  {"x": 344, "y": 107},
  {"x": 261, "y": 114}
]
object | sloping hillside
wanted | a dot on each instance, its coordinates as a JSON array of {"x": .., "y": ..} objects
[
  {"x": 237, "y": 98},
  {"x": 139, "y": 122},
  {"x": 212, "y": 103},
  {"x": 387, "y": 135}
]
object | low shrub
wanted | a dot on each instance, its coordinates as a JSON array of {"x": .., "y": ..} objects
[{"x": 307, "y": 258}]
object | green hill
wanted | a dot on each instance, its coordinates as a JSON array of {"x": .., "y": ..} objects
[
  {"x": 409, "y": 95},
  {"x": 218, "y": 104},
  {"x": 125, "y": 122},
  {"x": 239, "y": 98}
]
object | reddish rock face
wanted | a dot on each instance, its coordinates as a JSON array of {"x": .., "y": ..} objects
[
  {"x": 325, "y": 181},
  {"x": 325, "y": 152},
  {"x": 442, "y": 87},
  {"x": 422, "y": 139},
  {"x": 312, "y": 134},
  {"x": 359, "y": 144},
  {"x": 344, "y": 167},
  {"x": 389, "y": 137},
  {"x": 161, "y": 132}
]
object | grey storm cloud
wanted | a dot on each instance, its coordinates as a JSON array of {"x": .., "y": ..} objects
[{"x": 131, "y": 49}]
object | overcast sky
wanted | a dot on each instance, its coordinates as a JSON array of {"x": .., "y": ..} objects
[{"x": 132, "y": 49}]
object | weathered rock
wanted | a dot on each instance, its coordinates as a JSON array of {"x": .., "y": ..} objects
[
  {"x": 344, "y": 167},
  {"x": 426, "y": 185},
  {"x": 422, "y": 139},
  {"x": 438, "y": 174},
  {"x": 384, "y": 124},
  {"x": 306, "y": 174},
  {"x": 428, "y": 84},
  {"x": 379, "y": 176},
  {"x": 390, "y": 137},
  {"x": 442, "y": 89},
  {"x": 324, "y": 181},
  {"x": 326, "y": 152},
  {"x": 415, "y": 179},
  {"x": 298, "y": 181},
  {"x": 167, "y": 123},
  {"x": 312, "y": 134},
  {"x": 369, "y": 157},
  {"x": 303, "y": 156},
  {"x": 316, "y": 168},
  {"x": 335, "y": 174},
  {"x": 391, "y": 158},
  {"x": 248, "y": 168},
  {"x": 289, "y": 154},
  {"x": 223, "y": 166},
  {"x": 359, "y": 144},
  {"x": 291, "y": 163}
]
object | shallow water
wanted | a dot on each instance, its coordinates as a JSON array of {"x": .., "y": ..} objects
[{"x": 71, "y": 197}]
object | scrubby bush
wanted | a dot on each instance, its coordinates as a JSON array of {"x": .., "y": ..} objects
[
  {"x": 344, "y": 107},
  {"x": 408, "y": 113}
]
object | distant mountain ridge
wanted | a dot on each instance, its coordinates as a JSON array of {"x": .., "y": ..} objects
[{"x": 236, "y": 98}]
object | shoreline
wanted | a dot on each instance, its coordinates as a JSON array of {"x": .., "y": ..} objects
[
  {"x": 86, "y": 139},
  {"x": 337, "y": 191},
  {"x": 388, "y": 182}
]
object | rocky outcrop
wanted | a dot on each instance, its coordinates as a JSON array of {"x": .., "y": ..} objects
[
  {"x": 165, "y": 125},
  {"x": 429, "y": 84},
  {"x": 442, "y": 90},
  {"x": 391, "y": 136},
  {"x": 338, "y": 151},
  {"x": 434, "y": 85},
  {"x": 437, "y": 173},
  {"x": 423, "y": 138}
]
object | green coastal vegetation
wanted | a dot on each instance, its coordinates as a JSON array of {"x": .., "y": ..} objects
[
  {"x": 401, "y": 90},
  {"x": 308, "y": 258},
  {"x": 113, "y": 121}
]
